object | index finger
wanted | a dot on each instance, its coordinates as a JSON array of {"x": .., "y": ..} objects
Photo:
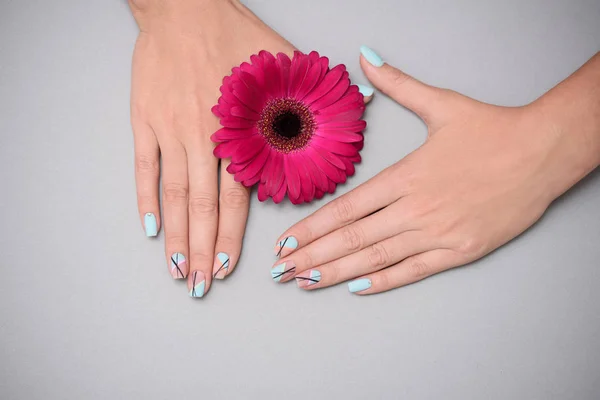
[{"x": 354, "y": 205}]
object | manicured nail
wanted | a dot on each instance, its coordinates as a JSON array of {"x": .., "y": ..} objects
[
  {"x": 221, "y": 265},
  {"x": 308, "y": 278},
  {"x": 150, "y": 225},
  {"x": 198, "y": 284},
  {"x": 286, "y": 246},
  {"x": 366, "y": 91},
  {"x": 178, "y": 265},
  {"x": 372, "y": 57},
  {"x": 280, "y": 271},
  {"x": 359, "y": 285}
]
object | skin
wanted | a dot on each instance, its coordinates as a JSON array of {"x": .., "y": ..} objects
[
  {"x": 183, "y": 51},
  {"x": 484, "y": 175}
]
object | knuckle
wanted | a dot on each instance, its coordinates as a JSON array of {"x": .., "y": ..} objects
[
  {"x": 200, "y": 259},
  {"x": 235, "y": 198},
  {"x": 343, "y": 211},
  {"x": 226, "y": 241},
  {"x": 146, "y": 200},
  {"x": 175, "y": 193},
  {"x": 202, "y": 204},
  {"x": 400, "y": 78},
  {"x": 377, "y": 256},
  {"x": 352, "y": 239},
  {"x": 145, "y": 164},
  {"x": 418, "y": 268},
  {"x": 306, "y": 260},
  {"x": 175, "y": 240},
  {"x": 471, "y": 247}
]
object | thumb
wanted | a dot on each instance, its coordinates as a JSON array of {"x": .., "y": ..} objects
[{"x": 417, "y": 96}]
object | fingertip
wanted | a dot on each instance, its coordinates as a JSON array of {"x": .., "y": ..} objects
[{"x": 367, "y": 92}]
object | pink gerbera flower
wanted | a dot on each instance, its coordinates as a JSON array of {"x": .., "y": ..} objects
[{"x": 292, "y": 126}]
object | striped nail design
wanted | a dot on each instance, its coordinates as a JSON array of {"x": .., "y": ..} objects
[
  {"x": 279, "y": 271},
  {"x": 221, "y": 265},
  {"x": 178, "y": 266},
  {"x": 286, "y": 246},
  {"x": 198, "y": 284},
  {"x": 308, "y": 278}
]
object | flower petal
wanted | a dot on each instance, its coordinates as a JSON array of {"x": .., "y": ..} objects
[
  {"x": 352, "y": 126},
  {"x": 343, "y": 149},
  {"x": 285, "y": 64},
  {"x": 298, "y": 72},
  {"x": 331, "y": 79},
  {"x": 249, "y": 97},
  {"x": 254, "y": 167},
  {"x": 249, "y": 149},
  {"x": 262, "y": 193},
  {"x": 318, "y": 177},
  {"x": 331, "y": 171},
  {"x": 226, "y": 134},
  {"x": 237, "y": 123},
  {"x": 291, "y": 177},
  {"x": 244, "y": 112},
  {"x": 334, "y": 94},
  {"x": 339, "y": 135},
  {"x": 280, "y": 193},
  {"x": 310, "y": 81}
]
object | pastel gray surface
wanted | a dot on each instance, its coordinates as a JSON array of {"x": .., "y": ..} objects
[{"x": 87, "y": 307}]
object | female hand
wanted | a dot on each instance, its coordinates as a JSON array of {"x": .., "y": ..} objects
[
  {"x": 484, "y": 175},
  {"x": 182, "y": 53}
]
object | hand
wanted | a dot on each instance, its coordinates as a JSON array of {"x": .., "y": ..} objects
[
  {"x": 182, "y": 53},
  {"x": 484, "y": 175}
]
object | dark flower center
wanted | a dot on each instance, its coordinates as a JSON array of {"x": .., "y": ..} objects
[{"x": 286, "y": 124}]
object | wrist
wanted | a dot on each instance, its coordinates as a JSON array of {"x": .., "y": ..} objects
[{"x": 194, "y": 16}]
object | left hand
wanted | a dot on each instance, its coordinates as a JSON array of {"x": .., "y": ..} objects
[{"x": 484, "y": 175}]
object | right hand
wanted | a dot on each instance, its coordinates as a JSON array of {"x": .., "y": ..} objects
[{"x": 183, "y": 51}]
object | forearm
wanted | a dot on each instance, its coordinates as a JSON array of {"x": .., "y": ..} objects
[{"x": 570, "y": 114}]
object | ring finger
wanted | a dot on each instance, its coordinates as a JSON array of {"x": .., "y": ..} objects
[{"x": 371, "y": 259}]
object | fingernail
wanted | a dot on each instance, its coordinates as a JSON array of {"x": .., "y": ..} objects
[
  {"x": 372, "y": 57},
  {"x": 198, "y": 284},
  {"x": 150, "y": 225},
  {"x": 359, "y": 285},
  {"x": 286, "y": 246},
  {"x": 221, "y": 265},
  {"x": 366, "y": 91},
  {"x": 178, "y": 266},
  {"x": 308, "y": 278},
  {"x": 280, "y": 271}
]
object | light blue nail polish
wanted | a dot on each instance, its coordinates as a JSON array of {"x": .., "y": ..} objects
[
  {"x": 198, "y": 284},
  {"x": 289, "y": 243},
  {"x": 359, "y": 285},
  {"x": 372, "y": 57},
  {"x": 365, "y": 90},
  {"x": 221, "y": 265},
  {"x": 150, "y": 225},
  {"x": 278, "y": 271}
]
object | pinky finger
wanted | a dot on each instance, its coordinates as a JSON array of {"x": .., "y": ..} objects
[
  {"x": 147, "y": 173},
  {"x": 410, "y": 270}
]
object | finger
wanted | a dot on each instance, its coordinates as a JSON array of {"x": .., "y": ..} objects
[
  {"x": 175, "y": 207},
  {"x": 147, "y": 172},
  {"x": 345, "y": 241},
  {"x": 203, "y": 216},
  {"x": 422, "y": 99},
  {"x": 409, "y": 271},
  {"x": 365, "y": 199},
  {"x": 371, "y": 259},
  {"x": 234, "y": 201}
]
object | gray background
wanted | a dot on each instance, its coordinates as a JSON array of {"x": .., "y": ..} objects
[{"x": 88, "y": 310}]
